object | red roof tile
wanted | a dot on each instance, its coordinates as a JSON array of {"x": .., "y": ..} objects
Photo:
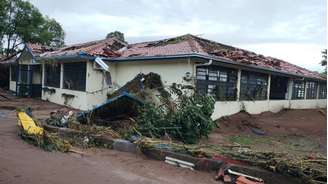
[
  {"x": 38, "y": 49},
  {"x": 106, "y": 48},
  {"x": 190, "y": 44}
]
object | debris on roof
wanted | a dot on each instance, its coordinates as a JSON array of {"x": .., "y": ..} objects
[
  {"x": 190, "y": 44},
  {"x": 104, "y": 48},
  {"x": 37, "y": 49},
  {"x": 185, "y": 44}
]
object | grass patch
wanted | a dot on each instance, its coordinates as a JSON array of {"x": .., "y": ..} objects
[{"x": 243, "y": 140}]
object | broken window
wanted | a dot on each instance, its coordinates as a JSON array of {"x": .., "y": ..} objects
[
  {"x": 253, "y": 86},
  {"x": 75, "y": 76},
  {"x": 323, "y": 91},
  {"x": 52, "y": 75},
  {"x": 219, "y": 82},
  {"x": 278, "y": 87},
  {"x": 13, "y": 72},
  {"x": 311, "y": 92},
  {"x": 298, "y": 90}
]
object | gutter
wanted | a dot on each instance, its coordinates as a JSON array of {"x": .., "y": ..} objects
[{"x": 69, "y": 57}]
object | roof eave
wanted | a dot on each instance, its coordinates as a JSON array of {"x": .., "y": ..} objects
[{"x": 215, "y": 58}]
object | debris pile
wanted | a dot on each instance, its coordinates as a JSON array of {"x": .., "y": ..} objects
[
  {"x": 308, "y": 169},
  {"x": 227, "y": 175},
  {"x": 60, "y": 118},
  {"x": 64, "y": 124},
  {"x": 34, "y": 134},
  {"x": 144, "y": 86}
]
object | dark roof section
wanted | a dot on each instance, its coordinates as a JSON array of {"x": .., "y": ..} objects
[
  {"x": 104, "y": 48},
  {"x": 8, "y": 60},
  {"x": 190, "y": 44}
]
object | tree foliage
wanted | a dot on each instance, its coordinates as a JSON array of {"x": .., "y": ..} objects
[
  {"x": 21, "y": 22},
  {"x": 189, "y": 121},
  {"x": 116, "y": 34}
]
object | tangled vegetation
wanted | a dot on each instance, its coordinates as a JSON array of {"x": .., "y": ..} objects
[
  {"x": 186, "y": 119},
  {"x": 308, "y": 169},
  {"x": 47, "y": 141}
]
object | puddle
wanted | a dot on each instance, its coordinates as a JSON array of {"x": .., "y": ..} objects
[{"x": 3, "y": 114}]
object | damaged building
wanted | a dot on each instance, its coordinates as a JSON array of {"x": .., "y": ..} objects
[{"x": 82, "y": 75}]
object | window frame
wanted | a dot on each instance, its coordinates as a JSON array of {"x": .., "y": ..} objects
[
  {"x": 251, "y": 83},
  {"x": 55, "y": 73},
  {"x": 311, "y": 90},
  {"x": 300, "y": 86},
  {"x": 322, "y": 91},
  {"x": 75, "y": 72},
  {"x": 215, "y": 80}
]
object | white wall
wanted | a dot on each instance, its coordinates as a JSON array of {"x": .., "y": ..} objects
[
  {"x": 95, "y": 94},
  {"x": 97, "y": 89},
  {"x": 171, "y": 71},
  {"x": 257, "y": 107},
  {"x": 12, "y": 84}
]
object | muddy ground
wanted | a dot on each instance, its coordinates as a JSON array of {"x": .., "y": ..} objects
[
  {"x": 23, "y": 163},
  {"x": 302, "y": 132},
  {"x": 296, "y": 131}
]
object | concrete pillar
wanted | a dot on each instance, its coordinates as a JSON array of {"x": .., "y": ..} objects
[
  {"x": 61, "y": 84},
  {"x": 290, "y": 89},
  {"x": 29, "y": 80},
  {"x": 305, "y": 91},
  {"x": 318, "y": 88},
  {"x": 268, "y": 87},
  {"x": 43, "y": 68},
  {"x": 238, "y": 84}
]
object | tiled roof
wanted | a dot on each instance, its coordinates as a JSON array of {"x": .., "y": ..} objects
[
  {"x": 105, "y": 48},
  {"x": 190, "y": 44},
  {"x": 38, "y": 49}
]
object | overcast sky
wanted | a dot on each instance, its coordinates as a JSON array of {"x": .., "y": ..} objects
[{"x": 293, "y": 30}]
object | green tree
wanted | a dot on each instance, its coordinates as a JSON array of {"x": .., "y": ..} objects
[
  {"x": 21, "y": 22},
  {"x": 116, "y": 34},
  {"x": 324, "y": 60}
]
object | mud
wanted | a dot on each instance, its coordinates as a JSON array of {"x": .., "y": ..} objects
[{"x": 24, "y": 163}]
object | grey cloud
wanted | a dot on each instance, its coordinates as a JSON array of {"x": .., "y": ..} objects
[{"x": 252, "y": 20}]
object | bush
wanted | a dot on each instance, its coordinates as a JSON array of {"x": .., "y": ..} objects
[{"x": 188, "y": 121}]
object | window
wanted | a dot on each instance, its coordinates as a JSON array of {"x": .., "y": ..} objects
[
  {"x": 13, "y": 72},
  {"x": 24, "y": 74},
  {"x": 52, "y": 75},
  {"x": 298, "y": 90},
  {"x": 219, "y": 82},
  {"x": 75, "y": 76},
  {"x": 278, "y": 87},
  {"x": 253, "y": 86},
  {"x": 311, "y": 92},
  {"x": 323, "y": 91}
]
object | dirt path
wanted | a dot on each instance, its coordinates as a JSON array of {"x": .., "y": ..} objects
[{"x": 24, "y": 163}]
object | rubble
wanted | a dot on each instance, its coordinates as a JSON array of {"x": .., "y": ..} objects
[
  {"x": 303, "y": 168},
  {"x": 190, "y": 44},
  {"x": 35, "y": 134}
]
